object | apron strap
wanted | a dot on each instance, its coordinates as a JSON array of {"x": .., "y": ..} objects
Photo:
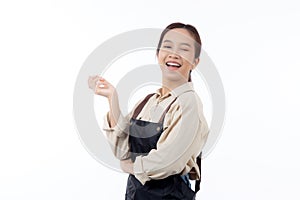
[
  {"x": 141, "y": 105},
  {"x": 197, "y": 183},
  {"x": 166, "y": 110}
]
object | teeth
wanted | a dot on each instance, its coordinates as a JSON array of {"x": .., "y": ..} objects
[{"x": 173, "y": 64}]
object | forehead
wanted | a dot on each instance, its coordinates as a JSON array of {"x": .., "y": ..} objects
[{"x": 179, "y": 35}]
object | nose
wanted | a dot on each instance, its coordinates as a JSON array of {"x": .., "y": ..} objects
[{"x": 174, "y": 55}]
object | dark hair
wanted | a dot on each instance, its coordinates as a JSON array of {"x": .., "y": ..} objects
[{"x": 191, "y": 29}]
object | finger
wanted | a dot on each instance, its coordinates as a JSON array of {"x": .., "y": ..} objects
[
  {"x": 101, "y": 82},
  {"x": 99, "y": 89},
  {"x": 93, "y": 77},
  {"x": 101, "y": 85},
  {"x": 96, "y": 78},
  {"x": 91, "y": 82},
  {"x": 101, "y": 78}
]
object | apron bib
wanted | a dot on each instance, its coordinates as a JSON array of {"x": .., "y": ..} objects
[{"x": 143, "y": 137}]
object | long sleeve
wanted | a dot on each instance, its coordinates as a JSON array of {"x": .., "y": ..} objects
[
  {"x": 118, "y": 135},
  {"x": 180, "y": 143}
]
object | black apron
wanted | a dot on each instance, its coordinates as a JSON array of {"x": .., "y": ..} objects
[{"x": 143, "y": 137}]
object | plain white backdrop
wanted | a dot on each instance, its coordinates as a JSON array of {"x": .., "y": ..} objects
[{"x": 254, "y": 45}]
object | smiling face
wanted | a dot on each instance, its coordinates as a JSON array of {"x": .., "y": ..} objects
[{"x": 176, "y": 56}]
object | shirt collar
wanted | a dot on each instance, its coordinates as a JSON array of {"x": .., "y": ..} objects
[{"x": 177, "y": 91}]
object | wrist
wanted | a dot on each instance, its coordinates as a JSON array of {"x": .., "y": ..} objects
[{"x": 113, "y": 97}]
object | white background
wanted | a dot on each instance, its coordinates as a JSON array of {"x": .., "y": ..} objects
[{"x": 254, "y": 44}]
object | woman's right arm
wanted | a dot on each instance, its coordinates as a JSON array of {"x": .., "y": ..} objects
[
  {"x": 115, "y": 125},
  {"x": 102, "y": 87}
]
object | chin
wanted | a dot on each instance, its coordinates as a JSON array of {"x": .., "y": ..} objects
[{"x": 174, "y": 77}]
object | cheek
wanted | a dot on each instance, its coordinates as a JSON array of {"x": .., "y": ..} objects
[
  {"x": 161, "y": 56},
  {"x": 189, "y": 59}
]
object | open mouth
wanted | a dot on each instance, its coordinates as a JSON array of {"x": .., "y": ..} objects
[{"x": 173, "y": 64}]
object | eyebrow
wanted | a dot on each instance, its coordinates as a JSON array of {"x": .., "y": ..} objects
[
  {"x": 187, "y": 44},
  {"x": 168, "y": 41}
]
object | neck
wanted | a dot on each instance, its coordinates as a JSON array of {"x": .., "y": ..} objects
[{"x": 169, "y": 85}]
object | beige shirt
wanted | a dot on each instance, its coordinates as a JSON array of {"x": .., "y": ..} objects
[{"x": 184, "y": 135}]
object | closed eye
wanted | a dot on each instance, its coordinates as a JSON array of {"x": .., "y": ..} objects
[{"x": 185, "y": 49}]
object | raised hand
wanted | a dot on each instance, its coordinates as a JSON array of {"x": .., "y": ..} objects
[{"x": 100, "y": 86}]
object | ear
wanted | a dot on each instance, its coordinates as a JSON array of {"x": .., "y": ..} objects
[{"x": 196, "y": 62}]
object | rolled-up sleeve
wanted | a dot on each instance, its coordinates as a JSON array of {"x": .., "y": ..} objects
[
  {"x": 120, "y": 129},
  {"x": 117, "y": 137},
  {"x": 181, "y": 140}
]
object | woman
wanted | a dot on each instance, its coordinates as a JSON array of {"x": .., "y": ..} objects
[{"x": 159, "y": 141}]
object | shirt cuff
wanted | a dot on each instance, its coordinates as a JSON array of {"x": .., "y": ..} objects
[
  {"x": 138, "y": 170},
  {"x": 120, "y": 129}
]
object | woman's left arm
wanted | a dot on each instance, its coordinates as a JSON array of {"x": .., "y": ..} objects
[{"x": 182, "y": 140}]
